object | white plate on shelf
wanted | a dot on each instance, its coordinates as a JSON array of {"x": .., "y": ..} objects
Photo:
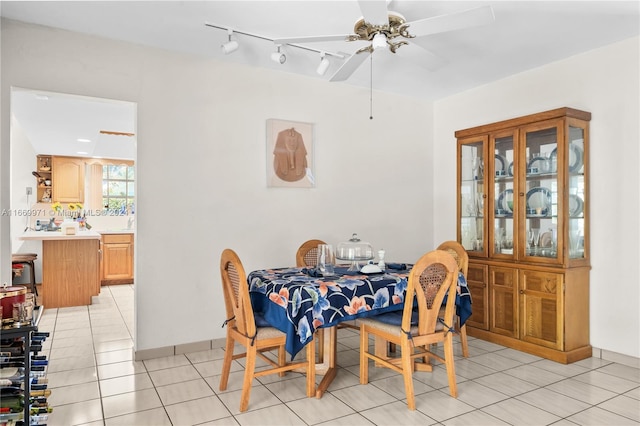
[
  {"x": 503, "y": 201},
  {"x": 576, "y": 205},
  {"x": 501, "y": 165},
  {"x": 539, "y": 198}
]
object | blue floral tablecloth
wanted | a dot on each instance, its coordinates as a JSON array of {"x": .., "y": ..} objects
[{"x": 297, "y": 303}]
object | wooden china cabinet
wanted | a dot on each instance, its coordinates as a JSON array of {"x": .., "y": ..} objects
[{"x": 523, "y": 216}]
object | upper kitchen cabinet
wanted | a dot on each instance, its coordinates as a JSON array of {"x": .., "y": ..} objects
[
  {"x": 523, "y": 216},
  {"x": 68, "y": 179}
]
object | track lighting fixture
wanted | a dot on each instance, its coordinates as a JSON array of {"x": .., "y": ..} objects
[
  {"x": 324, "y": 64},
  {"x": 231, "y": 45},
  {"x": 278, "y": 57}
]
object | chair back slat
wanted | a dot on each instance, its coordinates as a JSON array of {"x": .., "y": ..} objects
[
  {"x": 307, "y": 254},
  {"x": 459, "y": 253},
  {"x": 236, "y": 293},
  {"x": 430, "y": 279}
]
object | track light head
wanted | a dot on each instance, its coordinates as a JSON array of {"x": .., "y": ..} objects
[
  {"x": 231, "y": 45},
  {"x": 278, "y": 57},
  {"x": 324, "y": 65}
]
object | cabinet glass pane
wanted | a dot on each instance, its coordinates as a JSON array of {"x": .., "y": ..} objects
[
  {"x": 471, "y": 196},
  {"x": 503, "y": 190},
  {"x": 541, "y": 197},
  {"x": 575, "y": 158}
]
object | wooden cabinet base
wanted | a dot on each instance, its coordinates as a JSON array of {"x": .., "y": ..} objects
[
  {"x": 116, "y": 282},
  {"x": 70, "y": 272},
  {"x": 555, "y": 355},
  {"x": 117, "y": 259}
]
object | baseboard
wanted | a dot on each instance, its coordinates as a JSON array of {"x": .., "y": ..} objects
[
  {"x": 165, "y": 351},
  {"x": 628, "y": 360}
]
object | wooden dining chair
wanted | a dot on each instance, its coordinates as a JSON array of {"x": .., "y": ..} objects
[
  {"x": 431, "y": 278},
  {"x": 257, "y": 341},
  {"x": 307, "y": 254},
  {"x": 462, "y": 258},
  {"x": 307, "y": 257}
]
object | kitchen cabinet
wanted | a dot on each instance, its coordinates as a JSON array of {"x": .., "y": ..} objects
[
  {"x": 117, "y": 259},
  {"x": 523, "y": 217},
  {"x": 68, "y": 179},
  {"x": 70, "y": 267}
]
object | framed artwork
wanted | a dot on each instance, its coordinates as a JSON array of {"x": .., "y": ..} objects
[{"x": 290, "y": 154}]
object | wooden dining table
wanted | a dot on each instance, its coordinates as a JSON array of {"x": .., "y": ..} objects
[{"x": 299, "y": 301}]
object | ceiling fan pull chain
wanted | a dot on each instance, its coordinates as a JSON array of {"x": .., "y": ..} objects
[{"x": 371, "y": 89}]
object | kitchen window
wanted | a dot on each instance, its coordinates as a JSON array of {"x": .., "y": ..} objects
[{"x": 118, "y": 188}]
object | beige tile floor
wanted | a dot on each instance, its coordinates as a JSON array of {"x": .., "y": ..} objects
[{"x": 95, "y": 382}]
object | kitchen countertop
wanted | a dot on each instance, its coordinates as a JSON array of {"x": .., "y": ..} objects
[
  {"x": 57, "y": 235},
  {"x": 116, "y": 231}
]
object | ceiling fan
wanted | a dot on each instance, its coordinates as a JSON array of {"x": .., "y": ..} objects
[{"x": 383, "y": 28}]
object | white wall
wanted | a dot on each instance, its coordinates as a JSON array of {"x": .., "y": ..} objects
[
  {"x": 605, "y": 82},
  {"x": 201, "y": 166}
]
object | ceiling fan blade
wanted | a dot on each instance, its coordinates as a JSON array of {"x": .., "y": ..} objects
[
  {"x": 350, "y": 65},
  {"x": 374, "y": 11},
  {"x": 452, "y": 21},
  {"x": 312, "y": 39},
  {"x": 421, "y": 56}
]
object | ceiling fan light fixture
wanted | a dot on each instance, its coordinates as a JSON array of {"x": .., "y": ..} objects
[
  {"x": 278, "y": 57},
  {"x": 230, "y": 46},
  {"x": 324, "y": 65},
  {"x": 379, "y": 40}
]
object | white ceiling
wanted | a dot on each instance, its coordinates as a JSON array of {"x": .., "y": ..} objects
[
  {"x": 64, "y": 124},
  {"x": 525, "y": 35}
]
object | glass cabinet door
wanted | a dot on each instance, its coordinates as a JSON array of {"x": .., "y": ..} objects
[
  {"x": 540, "y": 190},
  {"x": 576, "y": 191},
  {"x": 503, "y": 229},
  {"x": 472, "y": 194}
]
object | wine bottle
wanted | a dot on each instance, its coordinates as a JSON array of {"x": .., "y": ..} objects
[
  {"x": 17, "y": 374},
  {"x": 19, "y": 381},
  {"x": 40, "y": 410},
  {"x": 40, "y": 419},
  {"x": 15, "y": 403}
]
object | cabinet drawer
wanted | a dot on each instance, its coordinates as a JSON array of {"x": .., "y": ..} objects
[{"x": 117, "y": 238}]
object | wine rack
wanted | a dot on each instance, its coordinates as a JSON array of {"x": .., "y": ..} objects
[{"x": 23, "y": 382}]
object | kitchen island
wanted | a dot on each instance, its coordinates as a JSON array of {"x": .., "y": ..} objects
[{"x": 70, "y": 267}]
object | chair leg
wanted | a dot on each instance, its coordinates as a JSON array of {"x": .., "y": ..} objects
[
  {"x": 463, "y": 341},
  {"x": 407, "y": 370},
  {"x": 282, "y": 359},
  {"x": 449, "y": 364},
  {"x": 364, "y": 361},
  {"x": 311, "y": 368},
  {"x": 34, "y": 289},
  {"x": 249, "y": 369},
  {"x": 226, "y": 366}
]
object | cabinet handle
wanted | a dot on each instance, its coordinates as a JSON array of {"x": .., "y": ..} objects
[
  {"x": 521, "y": 194},
  {"x": 521, "y": 291}
]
